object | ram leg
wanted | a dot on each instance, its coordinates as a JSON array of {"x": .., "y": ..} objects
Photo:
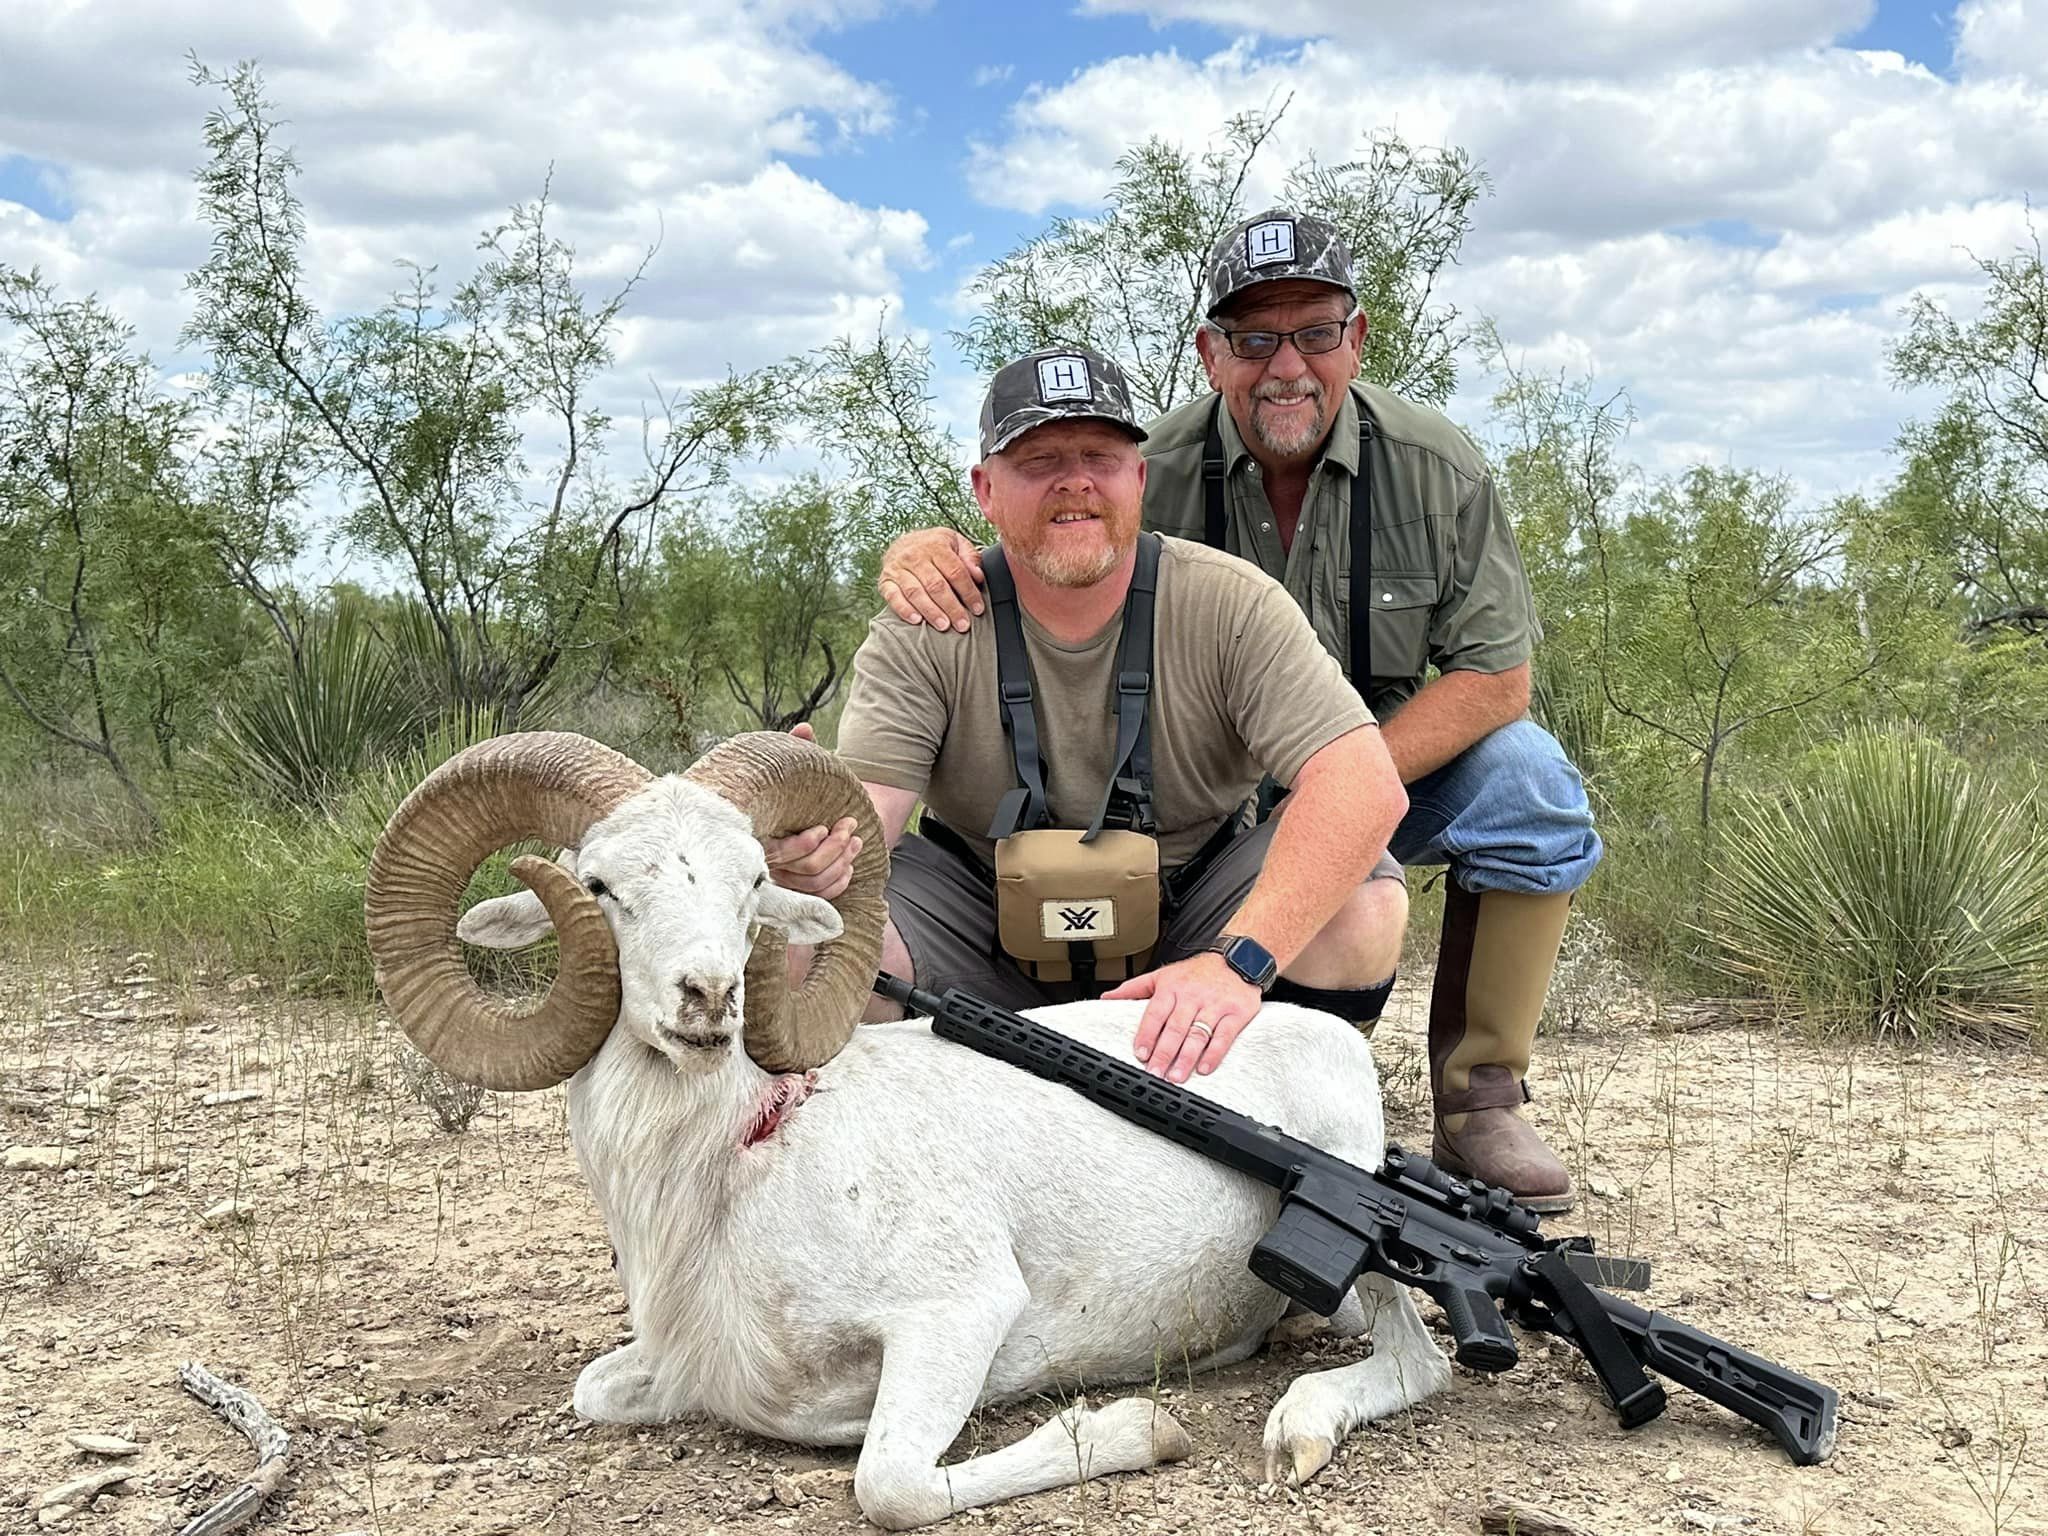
[
  {"x": 620, "y": 1388},
  {"x": 1298, "y": 1322},
  {"x": 932, "y": 1376},
  {"x": 1406, "y": 1365}
]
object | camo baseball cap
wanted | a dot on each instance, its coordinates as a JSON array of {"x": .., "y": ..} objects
[
  {"x": 1050, "y": 385},
  {"x": 1273, "y": 245}
]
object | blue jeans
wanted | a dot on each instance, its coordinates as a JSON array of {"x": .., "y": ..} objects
[{"x": 1508, "y": 814}]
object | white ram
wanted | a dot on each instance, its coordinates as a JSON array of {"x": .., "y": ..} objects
[{"x": 840, "y": 1235}]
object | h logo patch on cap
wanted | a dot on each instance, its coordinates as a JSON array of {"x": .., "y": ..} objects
[
  {"x": 1063, "y": 378},
  {"x": 1270, "y": 242}
]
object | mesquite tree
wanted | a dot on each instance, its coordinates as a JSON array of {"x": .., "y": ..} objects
[
  {"x": 1976, "y": 479},
  {"x": 869, "y": 406},
  {"x": 752, "y": 612},
  {"x": 418, "y": 411},
  {"x": 1704, "y": 605},
  {"x": 113, "y": 623}
]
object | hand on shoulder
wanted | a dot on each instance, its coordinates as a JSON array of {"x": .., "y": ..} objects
[{"x": 933, "y": 576}]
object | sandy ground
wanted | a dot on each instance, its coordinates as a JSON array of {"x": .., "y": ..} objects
[{"x": 414, "y": 1304}]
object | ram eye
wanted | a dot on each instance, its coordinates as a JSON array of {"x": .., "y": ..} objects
[
  {"x": 597, "y": 887},
  {"x": 759, "y": 881}
]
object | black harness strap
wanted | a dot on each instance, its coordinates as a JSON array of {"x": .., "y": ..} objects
[
  {"x": 1128, "y": 800},
  {"x": 1216, "y": 521},
  {"x": 1212, "y": 479},
  {"x": 1361, "y": 566},
  {"x": 1133, "y": 699},
  {"x": 1026, "y": 805}
]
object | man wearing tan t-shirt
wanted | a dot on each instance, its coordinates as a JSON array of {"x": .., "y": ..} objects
[
  {"x": 1386, "y": 525},
  {"x": 1240, "y": 687}
]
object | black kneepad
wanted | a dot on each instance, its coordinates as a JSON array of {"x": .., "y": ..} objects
[{"x": 1362, "y": 1006}]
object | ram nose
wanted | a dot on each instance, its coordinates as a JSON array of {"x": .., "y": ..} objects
[
  {"x": 706, "y": 998},
  {"x": 704, "y": 1017}
]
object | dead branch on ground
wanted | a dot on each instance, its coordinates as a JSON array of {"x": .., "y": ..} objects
[{"x": 245, "y": 1413}]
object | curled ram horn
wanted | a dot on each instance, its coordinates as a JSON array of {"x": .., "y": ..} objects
[
  {"x": 554, "y": 786},
  {"x": 539, "y": 784}
]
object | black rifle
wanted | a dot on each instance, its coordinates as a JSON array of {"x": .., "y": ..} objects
[{"x": 1475, "y": 1250}]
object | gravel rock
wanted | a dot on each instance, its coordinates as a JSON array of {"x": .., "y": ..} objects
[
  {"x": 41, "y": 1159},
  {"x": 79, "y": 1491}
]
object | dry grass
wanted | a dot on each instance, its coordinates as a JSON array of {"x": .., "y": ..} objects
[{"x": 415, "y": 1305}]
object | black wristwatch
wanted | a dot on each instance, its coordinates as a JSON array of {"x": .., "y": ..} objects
[{"x": 1249, "y": 958}]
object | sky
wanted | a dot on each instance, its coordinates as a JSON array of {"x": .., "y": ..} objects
[{"x": 1721, "y": 207}]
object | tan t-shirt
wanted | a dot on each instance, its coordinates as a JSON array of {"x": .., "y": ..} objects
[{"x": 1241, "y": 687}]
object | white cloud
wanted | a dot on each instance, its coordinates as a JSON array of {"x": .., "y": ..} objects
[
  {"x": 1561, "y": 36},
  {"x": 1999, "y": 37},
  {"x": 1906, "y": 250},
  {"x": 750, "y": 272},
  {"x": 1615, "y": 131},
  {"x": 1837, "y": 181},
  {"x": 417, "y": 125},
  {"x": 1808, "y": 142}
]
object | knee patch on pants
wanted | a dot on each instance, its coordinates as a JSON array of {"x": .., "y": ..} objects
[{"x": 1362, "y": 1006}]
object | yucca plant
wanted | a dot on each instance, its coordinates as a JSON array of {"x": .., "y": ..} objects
[
  {"x": 299, "y": 735},
  {"x": 1566, "y": 700},
  {"x": 453, "y": 673},
  {"x": 1898, "y": 892}
]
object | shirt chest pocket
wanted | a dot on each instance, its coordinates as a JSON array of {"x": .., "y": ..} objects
[{"x": 1401, "y": 606}]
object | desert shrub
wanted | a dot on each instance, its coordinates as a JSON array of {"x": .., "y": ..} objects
[
  {"x": 1591, "y": 984},
  {"x": 50, "y": 1252},
  {"x": 263, "y": 888},
  {"x": 1644, "y": 897},
  {"x": 256, "y": 885},
  {"x": 1898, "y": 892},
  {"x": 452, "y": 1102},
  {"x": 359, "y": 697}
]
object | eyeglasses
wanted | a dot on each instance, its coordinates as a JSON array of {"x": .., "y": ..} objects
[{"x": 1324, "y": 336}]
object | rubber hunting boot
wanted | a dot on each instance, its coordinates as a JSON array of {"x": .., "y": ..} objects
[{"x": 1493, "y": 970}]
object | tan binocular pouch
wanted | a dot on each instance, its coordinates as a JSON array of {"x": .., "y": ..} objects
[{"x": 1060, "y": 901}]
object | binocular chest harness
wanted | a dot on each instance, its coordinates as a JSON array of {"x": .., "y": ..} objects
[
  {"x": 1216, "y": 521},
  {"x": 1078, "y": 906}
]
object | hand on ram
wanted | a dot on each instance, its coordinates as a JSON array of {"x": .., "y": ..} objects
[
  {"x": 818, "y": 860},
  {"x": 1199, "y": 1007}
]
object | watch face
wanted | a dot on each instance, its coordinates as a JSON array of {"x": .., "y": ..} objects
[{"x": 1251, "y": 960}]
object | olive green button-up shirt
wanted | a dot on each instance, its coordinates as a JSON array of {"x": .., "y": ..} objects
[{"x": 1448, "y": 588}]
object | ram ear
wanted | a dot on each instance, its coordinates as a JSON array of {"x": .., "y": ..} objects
[
  {"x": 803, "y": 919},
  {"x": 511, "y": 922},
  {"x": 505, "y": 922}
]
